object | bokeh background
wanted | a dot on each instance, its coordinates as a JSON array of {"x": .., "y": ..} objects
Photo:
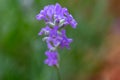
[{"x": 22, "y": 50}]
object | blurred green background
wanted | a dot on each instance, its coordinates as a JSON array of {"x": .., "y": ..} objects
[{"x": 22, "y": 50}]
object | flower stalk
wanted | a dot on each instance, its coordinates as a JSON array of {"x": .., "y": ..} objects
[
  {"x": 56, "y": 19},
  {"x": 58, "y": 72}
]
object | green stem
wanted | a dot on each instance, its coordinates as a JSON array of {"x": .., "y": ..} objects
[{"x": 58, "y": 72}]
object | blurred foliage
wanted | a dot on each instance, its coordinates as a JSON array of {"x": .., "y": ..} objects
[{"x": 22, "y": 50}]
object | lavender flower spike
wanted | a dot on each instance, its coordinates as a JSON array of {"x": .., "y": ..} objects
[{"x": 56, "y": 18}]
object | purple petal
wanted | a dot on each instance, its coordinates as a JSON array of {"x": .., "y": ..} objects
[
  {"x": 52, "y": 58},
  {"x": 44, "y": 30},
  {"x": 39, "y": 17},
  {"x": 73, "y": 24}
]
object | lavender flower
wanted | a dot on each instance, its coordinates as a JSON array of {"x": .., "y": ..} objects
[{"x": 56, "y": 18}]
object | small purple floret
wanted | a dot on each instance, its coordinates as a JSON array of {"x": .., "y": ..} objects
[
  {"x": 52, "y": 58},
  {"x": 45, "y": 31}
]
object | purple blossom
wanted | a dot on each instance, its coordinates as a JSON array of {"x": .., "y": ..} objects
[
  {"x": 56, "y": 18},
  {"x": 45, "y": 31},
  {"x": 51, "y": 13},
  {"x": 71, "y": 21},
  {"x": 52, "y": 58},
  {"x": 65, "y": 41},
  {"x": 53, "y": 32}
]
